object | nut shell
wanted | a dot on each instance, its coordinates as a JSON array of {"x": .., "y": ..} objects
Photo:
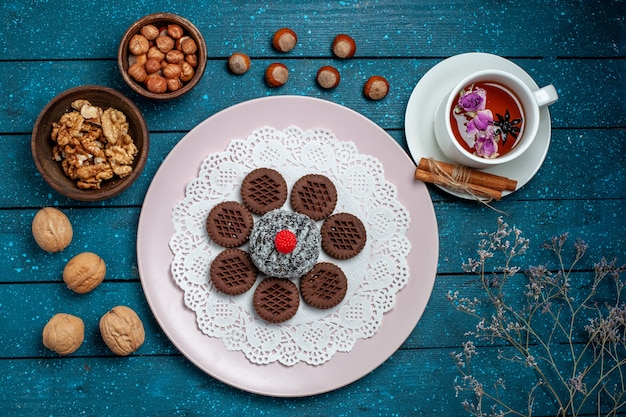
[
  {"x": 84, "y": 272},
  {"x": 52, "y": 229},
  {"x": 122, "y": 330},
  {"x": 63, "y": 333},
  {"x": 376, "y": 88}
]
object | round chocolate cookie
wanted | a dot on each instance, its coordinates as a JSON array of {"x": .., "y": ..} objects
[
  {"x": 298, "y": 259},
  {"x": 229, "y": 224},
  {"x": 343, "y": 236},
  {"x": 324, "y": 286},
  {"x": 263, "y": 190},
  {"x": 232, "y": 272},
  {"x": 276, "y": 300},
  {"x": 314, "y": 195}
]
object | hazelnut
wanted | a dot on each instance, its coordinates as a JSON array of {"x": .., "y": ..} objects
[
  {"x": 284, "y": 40},
  {"x": 187, "y": 71},
  {"x": 150, "y": 32},
  {"x": 122, "y": 330},
  {"x": 192, "y": 59},
  {"x": 138, "y": 45},
  {"x": 328, "y": 77},
  {"x": 376, "y": 88},
  {"x": 152, "y": 65},
  {"x": 344, "y": 46},
  {"x": 174, "y": 31},
  {"x": 138, "y": 72},
  {"x": 52, "y": 229},
  {"x": 175, "y": 56},
  {"x": 84, "y": 272},
  {"x": 172, "y": 71},
  {"x": 187, "y": 45},
  {"x": 156, "y": 84},
  {"x": 137, "y": 59},
  {"x": 154, "y": 53},
  {"x": 164, "y": 43},
  {"x": 276, "y": 74},
  {"x": 174, "y": 84},
  {"x": 239, "y": 63},
  {"x": 63, "y": 333}
]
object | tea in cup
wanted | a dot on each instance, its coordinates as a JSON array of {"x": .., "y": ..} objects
[{"x": 489, "y": 118}]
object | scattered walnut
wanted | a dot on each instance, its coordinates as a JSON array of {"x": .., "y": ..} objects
[
  {"x": 122, "y": 330},
  {"x": 84, "y": 272},
  {"x": 82, "y": 138},
  {"x": 52, "y": 229},
  {"x": 64, "y": 333}
]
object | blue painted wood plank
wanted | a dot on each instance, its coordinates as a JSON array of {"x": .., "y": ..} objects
[
  {"x": 27, "y": 87},
  {"x": 381, "y": 28}
]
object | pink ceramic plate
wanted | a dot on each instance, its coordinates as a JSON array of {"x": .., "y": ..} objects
[{"x": 166, "y": 299}]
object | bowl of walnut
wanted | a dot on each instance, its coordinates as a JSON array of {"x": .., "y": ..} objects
[
  {"x": 162, "y": 56},
  {"x": 90, "y": 143}
]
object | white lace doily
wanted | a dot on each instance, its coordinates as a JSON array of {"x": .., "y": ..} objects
[{"x": 374, "y": 276}]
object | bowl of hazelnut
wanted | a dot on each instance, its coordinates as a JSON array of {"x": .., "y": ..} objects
[
  {"x": 90, "y": 143},
  {"x": 162, "y": 56}
]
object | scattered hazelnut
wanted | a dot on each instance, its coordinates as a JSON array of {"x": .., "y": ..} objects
[
  {"x": 284, "y": 40},
  {"x": 276, "y": 75},
  {"x": 52, "y": 229},
  {"x": 63, "y": 333},
  {"x": 239, "y": 63},
  {"x": 164, "y": 43},
  {"x": 138, "y": 45},
  {"x": 376, "y": 88},
  {"x": 174, "y": 31},
  {"x": 328, "y": 77},
  {"x": 150, "y": 32},
  {"x": 84, "y": 272},
  {"x": 344, "y": 46},
  {"x": 122, "y": 330},
  {"x": 156, "y": 84}
]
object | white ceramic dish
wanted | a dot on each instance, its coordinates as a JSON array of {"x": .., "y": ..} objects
[
  {"x": 436, "y": 84},
  {"x": 166, "y": 299}
]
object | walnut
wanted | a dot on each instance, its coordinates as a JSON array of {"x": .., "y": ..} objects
[
  {"x": 122, "y": 330},
  {"x": 52, "y": 229},
  {"x": 64, "y": 333},
  {"x": 84, "y": 272}
]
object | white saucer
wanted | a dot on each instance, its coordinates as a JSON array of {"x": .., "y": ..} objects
[{"x": 436, "y": 83}]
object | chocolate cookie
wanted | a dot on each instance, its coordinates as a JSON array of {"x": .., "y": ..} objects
[
  {"x": 232, "y": 272},
  {"x": 343, "y": 236},
  {"x": 315, "y": 196},
  {"x": 276, "y": 300},
  {"x": 263, "y": 190},
  {"x": 229, "y": 224},
  {"x": 324, "y": 286}
]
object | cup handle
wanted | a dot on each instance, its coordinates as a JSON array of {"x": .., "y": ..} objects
[{"x": 546, "y": 95}]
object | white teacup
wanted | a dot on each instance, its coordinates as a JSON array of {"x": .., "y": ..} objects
[{"x": 471, "y": 133}]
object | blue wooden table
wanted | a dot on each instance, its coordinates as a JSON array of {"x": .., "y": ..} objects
[{"x": 50, "y": 46}]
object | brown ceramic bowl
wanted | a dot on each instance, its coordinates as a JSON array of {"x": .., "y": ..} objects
[
  {"x": 42, "y": 144},
  {"x": 161, "y": 21}
]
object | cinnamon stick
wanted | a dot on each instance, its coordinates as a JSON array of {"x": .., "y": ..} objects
[
  {"x": 475, "y": 177},
  {"x": 429, "y": 177}
]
